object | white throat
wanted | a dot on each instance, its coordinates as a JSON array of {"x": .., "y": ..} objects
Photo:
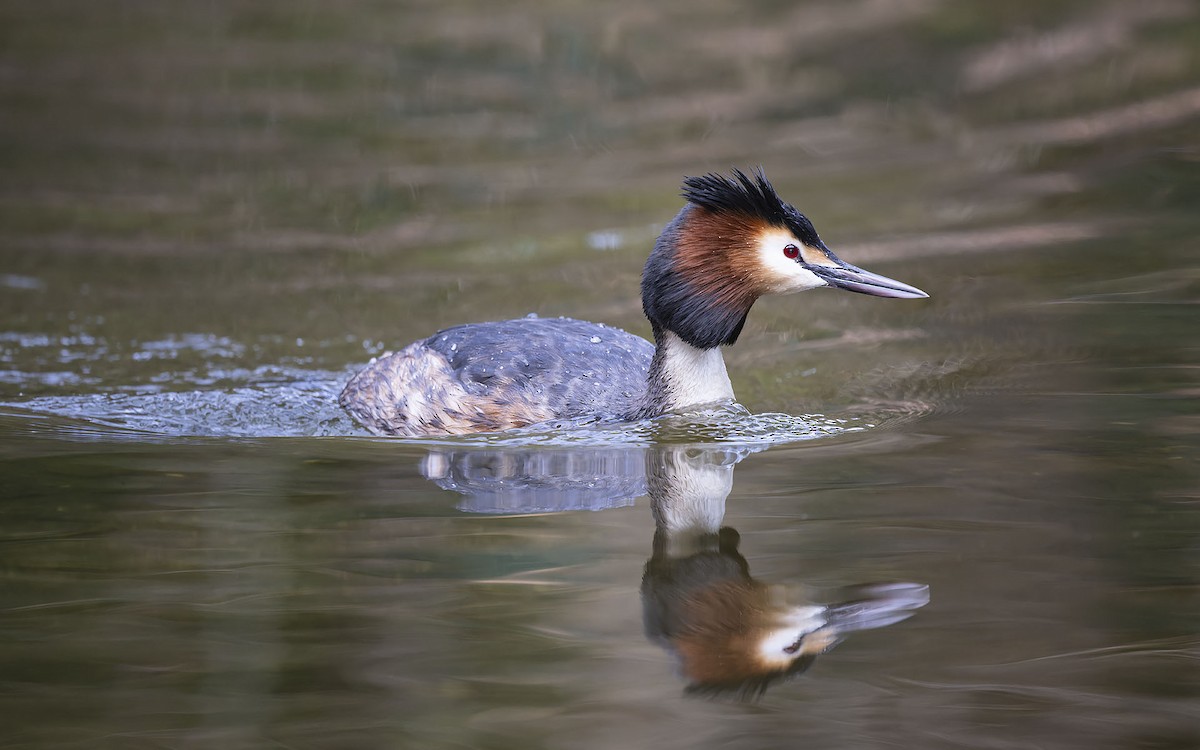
[{"x": 693, "y": 376}]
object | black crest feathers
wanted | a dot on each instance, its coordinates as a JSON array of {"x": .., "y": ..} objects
[{"x": 752, "y": 196}]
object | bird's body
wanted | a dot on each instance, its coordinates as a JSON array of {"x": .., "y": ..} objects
[
  {"x": 733, "y": 242},
  {"x": 500, "y": 375}
]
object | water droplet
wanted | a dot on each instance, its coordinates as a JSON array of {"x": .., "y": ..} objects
[{"x": 596, "y": 339}]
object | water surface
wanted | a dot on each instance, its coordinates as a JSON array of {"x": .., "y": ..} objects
[{"x": 211, "y": 214}]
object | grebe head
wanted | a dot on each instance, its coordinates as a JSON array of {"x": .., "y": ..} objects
[
  {"x": 743, "y": 637},
  {"x": 733, "y": 242}
]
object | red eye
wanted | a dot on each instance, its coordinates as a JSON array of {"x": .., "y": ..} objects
[{"x": 791, "y": 252}]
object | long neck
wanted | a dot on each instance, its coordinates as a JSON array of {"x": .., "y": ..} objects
[
  {"x": 687, "y": 492},
  {"x": 683, "y": 376}
]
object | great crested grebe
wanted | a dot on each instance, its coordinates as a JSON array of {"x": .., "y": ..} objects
[{"x": 734, "y": 241}]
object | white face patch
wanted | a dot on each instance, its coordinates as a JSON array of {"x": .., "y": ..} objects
[
  {"x": 783, "y": 274},
  {"x": 793, "y": 625}
]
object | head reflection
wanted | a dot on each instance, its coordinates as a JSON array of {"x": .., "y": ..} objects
[{"x": 729, "y": 632}]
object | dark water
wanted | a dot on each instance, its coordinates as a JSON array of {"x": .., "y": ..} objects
[{"x": 210, "y": 214}]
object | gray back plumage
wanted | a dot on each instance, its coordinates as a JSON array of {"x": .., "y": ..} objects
[
  {"x": 574, "y": 367},
  {"x": 493, "y": 376}
]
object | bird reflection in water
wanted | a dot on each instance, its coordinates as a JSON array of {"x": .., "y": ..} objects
[{"x": 729, "y": 632}]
